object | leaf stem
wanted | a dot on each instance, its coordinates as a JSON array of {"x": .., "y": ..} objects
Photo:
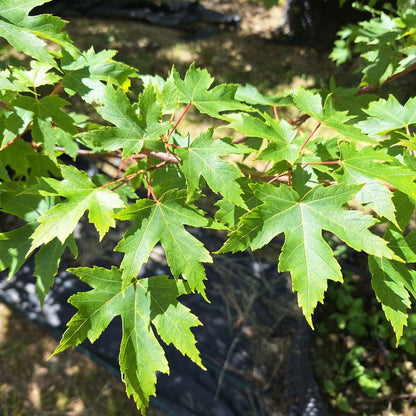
[
  {"x": 179, "y": 120},
  {"x": 276, "y": 112},
  {"x": 57, "y": 89},
  {"x": 309, "y": 137},
  {"x": 124, "y": 179},
  {"x": 150, "y": 189}
]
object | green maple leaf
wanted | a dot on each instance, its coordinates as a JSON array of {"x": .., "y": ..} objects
[
  {"x": 15, "y": 245},
  {"x": 48, "y": 108},
  {"x": 47, "y": 261},
  {"x": 339, "y": 121},
  {"x": 132, "y": 130},
  {"x": 388, "y": 115},
  {"x": 38, "y": 75},
  {"x": 41, "y": 112},
  {"x": 25, "y": 33},
  {"x": 251, "y": 95},
  {"x": 195, "y": 89},
  {"x": 8, "y": 83},
  {"x": 145, "y": 306},
  {"x": 112, "y": 138},
  {"x": 392, "y": 281},
  {"x": 89, "y": 71},
  {"x": 305, "y": 253},
  {"x": 279, "y": 133},
  {"x": 81, "y": 195},
  {"x": 16, "y": 200},
  {"x": 150, "y": 114},
  {"x": 369, "y": 164},
  {"x": 163, "y": 221},
  {"x": 118, "y": 110},
  {"x": 202, "y": 159}
]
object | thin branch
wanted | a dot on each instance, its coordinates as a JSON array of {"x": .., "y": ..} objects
[
  {"x": 166, "y": 157},
  {"x": 297, "y": 121},
  {"x": 240, "y": 140},
  {"x": 371, "y": 87}
]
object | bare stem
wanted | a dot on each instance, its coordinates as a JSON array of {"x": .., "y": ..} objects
[
  {"x": 179, "y": 120},
  {"x": 310, "y": 136},
  {"x": 276, "y": 112}
]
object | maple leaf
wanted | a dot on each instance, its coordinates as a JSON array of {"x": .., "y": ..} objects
[
  {"x": 131, "y": 129},
  {"x": 202, "y": 159},
  {"x": 388, "y": 115},
  {"x": 87, "y": 73},
  {"x": 368, "y": 164},
  {"x": 38, "y": 75},
  {"x": 305, "y": 253},
  {"x": 81, "y": 195},
  {"x": 251, "y": 95},
  {"x": 163, "y": 221},
  {"x": 339, "y": 121},
  {"x": 25, "y": 32},
  {"x": 194, "y": 89},
  {"x": 112, "y": 138},
  {"x": 166, "y": 92},
  {"x": 279, "y": 133},
  {"x": 145, "y": 306},
  {"x": 43, "y": 113},
  {"x": 392, "y": 280}
]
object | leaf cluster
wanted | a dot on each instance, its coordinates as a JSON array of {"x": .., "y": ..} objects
[{"x": 354, "y": 169}]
